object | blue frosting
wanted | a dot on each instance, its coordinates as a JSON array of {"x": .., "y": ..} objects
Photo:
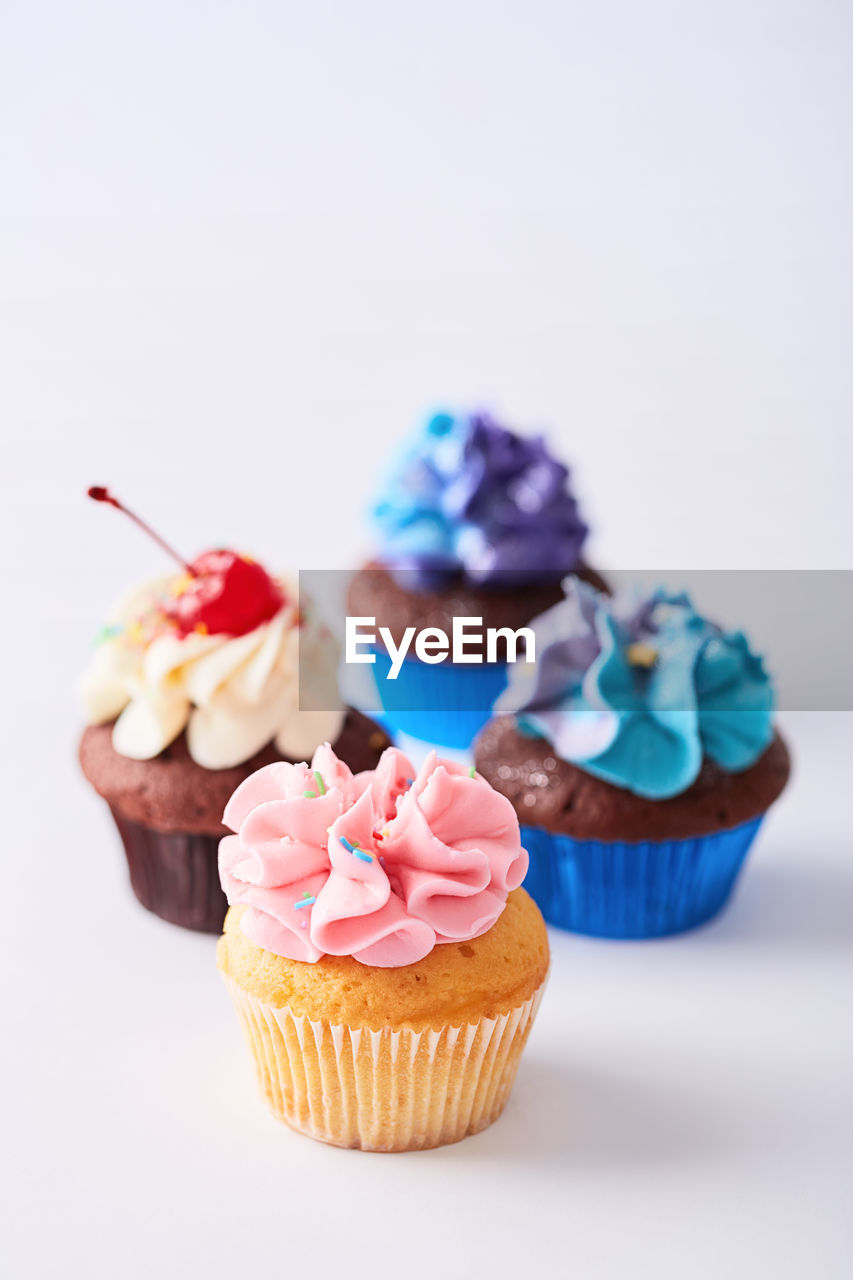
[
  {"x": 468, "y": 496},
  {"x": 638, "y": 690}
]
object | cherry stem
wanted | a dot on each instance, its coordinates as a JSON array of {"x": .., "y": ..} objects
[{"x": 101, "y": 494}]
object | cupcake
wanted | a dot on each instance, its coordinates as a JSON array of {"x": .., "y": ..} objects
[
  {"x": 193, "y": 685},
  {"x": 639, "y": 753},
  {"x": 383, "y": 961},
  {"x": 473, "y": 521}
]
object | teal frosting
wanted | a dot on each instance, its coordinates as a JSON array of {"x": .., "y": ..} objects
[{"x": 638, "y": 690}]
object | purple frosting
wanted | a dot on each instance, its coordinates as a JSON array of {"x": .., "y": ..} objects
[{"x": 469, "y": 496}]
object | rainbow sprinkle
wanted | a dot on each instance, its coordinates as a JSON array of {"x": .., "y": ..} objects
[
  {"x": 472, "y": 772},
  {"x": 321, "y": 786},
  {"x": 180, "y": 585},
  {"x": 310, "y": 795},
  {"x": 107, "y": 633},
  {"x": 353, "y": 848},
  {"x": 307, "y": 900}
]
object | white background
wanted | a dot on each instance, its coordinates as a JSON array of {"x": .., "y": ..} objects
[{"x": 242, "y": 248}]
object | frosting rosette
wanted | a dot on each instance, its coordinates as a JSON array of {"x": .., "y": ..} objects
[
  {"x": 467, "y": 495},
  {"x": 637, "y": 690},
  {"x": 233, "y": 694},
  {"x": 381, "y": 866}
]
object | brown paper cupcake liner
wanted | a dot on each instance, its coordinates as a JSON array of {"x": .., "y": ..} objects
[
  {"x": 383, "y": 1090},
  {"x": 175, "y": 874}
]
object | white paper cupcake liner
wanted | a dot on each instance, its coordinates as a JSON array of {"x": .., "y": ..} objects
[{"x": 384, "y": 1090}]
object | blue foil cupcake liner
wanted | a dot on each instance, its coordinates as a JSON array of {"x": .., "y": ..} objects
[
  {"x": 645, "y": 890},
  {"x": 440, "y": 703}
]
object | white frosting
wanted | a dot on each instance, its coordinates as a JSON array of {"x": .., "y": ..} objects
[{"x": 232, "y": 694}]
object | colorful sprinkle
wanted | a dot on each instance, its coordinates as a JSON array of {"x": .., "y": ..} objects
[
  {"x": 472, "y": 772},
  {"x": 321, "y": 786},
  {"x": 352, "y": 847},
  {"x": 180, "y": 585},
  {"x": 642, "y": 655},
  {"x": 310, "y": 795},
  {"x": 306, "y": 901},
  {"x": 106, "y": 633}
]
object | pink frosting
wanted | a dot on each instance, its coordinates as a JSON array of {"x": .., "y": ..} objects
[{"x": 380, "y": 866}]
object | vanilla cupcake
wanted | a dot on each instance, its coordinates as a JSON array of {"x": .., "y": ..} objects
[{"x": 382, "y": 959}]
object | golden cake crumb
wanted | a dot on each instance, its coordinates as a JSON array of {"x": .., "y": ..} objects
[{"x": 455, "y": 984}]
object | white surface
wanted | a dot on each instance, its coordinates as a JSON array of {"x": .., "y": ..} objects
[
  {"x": 682, "y": 1109},
  {"x": 242, "y": 247}
]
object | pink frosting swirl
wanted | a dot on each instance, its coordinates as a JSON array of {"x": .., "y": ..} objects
[{"x": 381, "y": 866}]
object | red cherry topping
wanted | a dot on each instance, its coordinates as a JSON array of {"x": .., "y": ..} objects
[
  {"x": 224, "y": 593},
  {"x": 220, "y": 592}
]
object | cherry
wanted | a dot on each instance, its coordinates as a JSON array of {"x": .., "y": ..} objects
[
  {"x": 219, "y": 593},
  {"x": 223, "y": 593}
]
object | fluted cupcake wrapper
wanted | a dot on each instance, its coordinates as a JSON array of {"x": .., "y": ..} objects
[
  {"x": 175, "y": 874},
  {"x": 644, "y": 890},
  {"x": 383, "y": 1090},
  {"x": 443, "y": 703}
]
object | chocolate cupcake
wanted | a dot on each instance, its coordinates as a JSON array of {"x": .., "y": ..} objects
[
  {"x": 477, "y": 522},
  {"x": 192, "y": 686},
  {"x": 640, "y": 755}
]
